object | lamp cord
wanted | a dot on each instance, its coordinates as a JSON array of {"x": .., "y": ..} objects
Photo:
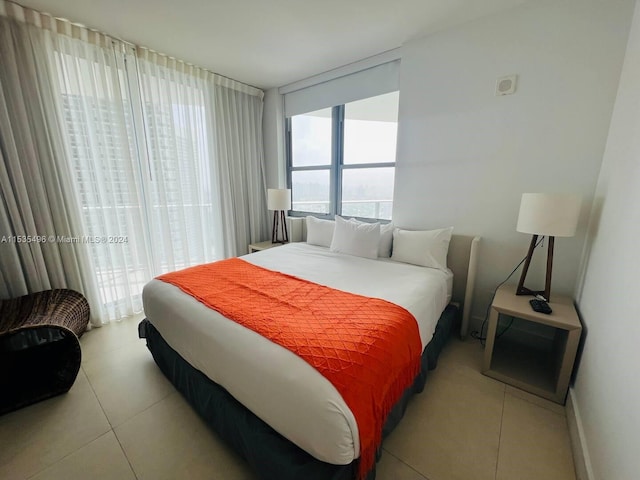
[{"x": 480, "y": 335}]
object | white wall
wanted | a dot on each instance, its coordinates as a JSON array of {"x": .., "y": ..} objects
[
  {"x": 465, "y": 156},
  {"x": 607, "y": 387},
  {"x": 273, "y": 132}
]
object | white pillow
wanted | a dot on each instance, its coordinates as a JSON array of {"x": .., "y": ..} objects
[
  {"x": 356, "y": 238},
  {"x": 425, "y": 248},
  {"x": 386, "y": 238},
  {"x": 319, "y": 232}
]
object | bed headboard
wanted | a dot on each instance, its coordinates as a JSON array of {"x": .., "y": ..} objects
[{"x": 462, "y": 259}]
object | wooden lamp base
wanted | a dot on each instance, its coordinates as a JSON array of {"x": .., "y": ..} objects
[
  {"x": 279, "y": 224},
  {"x": 546, "y": 293}
]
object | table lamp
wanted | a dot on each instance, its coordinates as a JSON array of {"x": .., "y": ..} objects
[
  {"x": 551, "y": 215},
  {"x": 279, "y": 200}
]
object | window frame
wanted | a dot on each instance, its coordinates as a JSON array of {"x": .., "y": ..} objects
[{"x": 336, "y": 167}]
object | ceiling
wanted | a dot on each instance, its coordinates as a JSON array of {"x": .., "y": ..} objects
[{"x": 270, "y": 43}]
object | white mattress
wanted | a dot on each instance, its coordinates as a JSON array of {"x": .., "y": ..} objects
[{"x": 275, "y": 384}]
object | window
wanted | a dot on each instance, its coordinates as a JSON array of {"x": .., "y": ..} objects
[
  {"x": 311, "y": 159},
  {"x": 341, "y": 160}
]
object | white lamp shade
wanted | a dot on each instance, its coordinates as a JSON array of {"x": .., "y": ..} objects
[
  {"x": 279, "y": 199},
  {"x": 550, "y": 214}
]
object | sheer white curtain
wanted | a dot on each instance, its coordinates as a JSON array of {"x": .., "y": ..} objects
[
  {"x": 218, "y": 197},
  {"x": 181, "y": 183},
  {"x": 152, "y": 164},
  {"x": 38, "y": 201},
  {"x": 98, "y": 122},
  {"x": 143, "y": 166}
]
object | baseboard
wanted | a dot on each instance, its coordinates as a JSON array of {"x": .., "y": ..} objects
[{"x": 581, "y": 458}]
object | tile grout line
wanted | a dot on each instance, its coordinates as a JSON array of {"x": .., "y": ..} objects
[
  {"x": 504, "y": 400},
  {"x": 113, "y": 429},
  {"x": 68, "y": 455},
  {"x": 171, "y": 392},
  {"x": 90, "y": 441},
  {"x": 124, "y": 452},
  {"x": 97, "y": 398},
  {"x": 564, "y": 414},
  {"x": 405, "y": 463}
]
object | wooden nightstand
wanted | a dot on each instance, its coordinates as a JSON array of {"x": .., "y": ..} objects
[
  {"x": 543, "y": 362},
  {"x": 256, "y": 247}
]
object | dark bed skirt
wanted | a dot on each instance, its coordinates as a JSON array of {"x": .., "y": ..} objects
[{"x": 271, "y": 455}]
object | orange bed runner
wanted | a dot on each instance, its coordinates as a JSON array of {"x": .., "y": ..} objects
[{"x": 368, "y": 348}]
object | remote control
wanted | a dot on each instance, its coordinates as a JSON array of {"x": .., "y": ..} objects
[{"x": 540, "y": 306}]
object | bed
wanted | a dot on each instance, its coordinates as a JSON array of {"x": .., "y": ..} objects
[{"x": 284, "y": 418}]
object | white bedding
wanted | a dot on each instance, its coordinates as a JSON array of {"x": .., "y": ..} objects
[{"x": 275, "y": 384}]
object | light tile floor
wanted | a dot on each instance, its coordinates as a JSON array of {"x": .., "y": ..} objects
[{"x": 123, "y": 420}]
